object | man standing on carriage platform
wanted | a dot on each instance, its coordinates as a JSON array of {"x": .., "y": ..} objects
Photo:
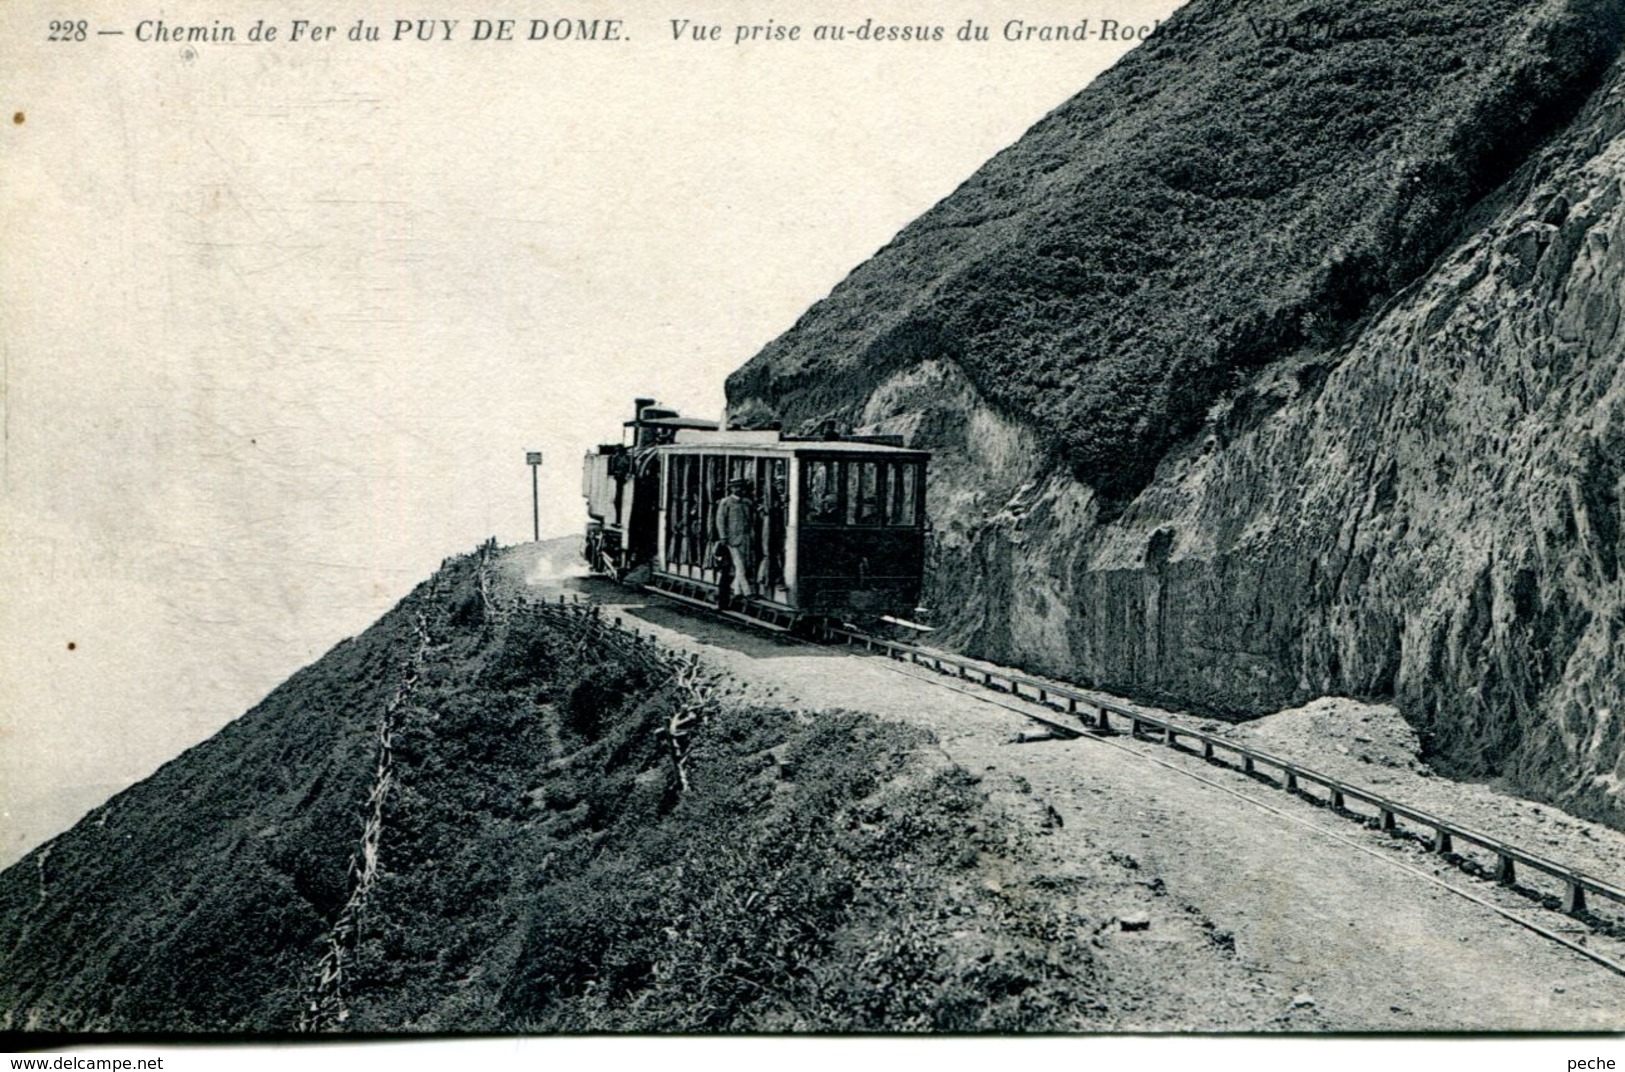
[{"x": 734, "y": 526}]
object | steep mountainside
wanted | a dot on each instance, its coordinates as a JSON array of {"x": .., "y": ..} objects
[
  {"x": 471, "y": 818},
  {"x": 1284, "y": 360}
]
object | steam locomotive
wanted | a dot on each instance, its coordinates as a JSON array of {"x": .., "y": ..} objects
[{"x": 784, "y": 531}]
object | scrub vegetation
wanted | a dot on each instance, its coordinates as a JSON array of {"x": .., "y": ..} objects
[
  {"x": 1246, "y": 185},
  {"x": 536, "y": 864}
]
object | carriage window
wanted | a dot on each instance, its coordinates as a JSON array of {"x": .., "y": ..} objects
[
  {"x": 774, "y": 521},
  {"x": 902, "y": 498},
  {"x": 863, "y": 493},
  {"x": 823, "y": 484},
  {"x": 714, "y": 485},
  {"x": 684, "y": 538},
  {"x": 673, "y": 482}
]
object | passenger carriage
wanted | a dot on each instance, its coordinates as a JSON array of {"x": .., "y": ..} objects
[{"x": 840, "y": 523}]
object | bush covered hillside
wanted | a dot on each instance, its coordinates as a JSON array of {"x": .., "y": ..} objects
[
  {"x": 1282, "y": 361},
  {"x": 1246, "y": 183},
  {"x": 473, "y": 820}
]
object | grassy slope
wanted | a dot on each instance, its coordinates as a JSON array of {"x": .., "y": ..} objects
[
  {"x": 191, "y": 901},
  {"x": 539, "y": 869},
  {"x": 1246, "y": 185}
]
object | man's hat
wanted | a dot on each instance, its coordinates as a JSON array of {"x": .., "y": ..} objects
[{"x": 739, "y": 484}]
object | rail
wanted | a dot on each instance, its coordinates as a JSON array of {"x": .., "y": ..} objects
[{"x": 1098, "y": 713}]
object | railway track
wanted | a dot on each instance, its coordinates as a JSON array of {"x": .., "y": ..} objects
[
  {"x": 1580, "y": 903},
  {"x": 1074, "y": 713}
]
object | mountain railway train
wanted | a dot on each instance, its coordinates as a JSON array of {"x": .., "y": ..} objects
[{"x": 783, "y": 531}]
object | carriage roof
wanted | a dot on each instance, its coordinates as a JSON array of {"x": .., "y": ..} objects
[
  {"x": 680, "y": 423},
  {"x": 774, "y": 443}
]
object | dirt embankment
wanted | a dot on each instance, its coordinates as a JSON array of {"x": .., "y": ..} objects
[
  {"x": 1209, "y": 901},
  {"x": 483, "y": 815}
]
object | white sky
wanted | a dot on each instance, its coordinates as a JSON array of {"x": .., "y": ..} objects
[{"x": 279, "y": 321}]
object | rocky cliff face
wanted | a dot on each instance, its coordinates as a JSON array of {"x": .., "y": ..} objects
[{"x": 1275, "y": 367}]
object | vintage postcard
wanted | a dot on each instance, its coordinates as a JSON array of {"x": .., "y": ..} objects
[{"x": 983, "y": 517}]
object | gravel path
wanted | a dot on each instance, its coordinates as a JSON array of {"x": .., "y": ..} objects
[{"x": 1327, "y": 933}]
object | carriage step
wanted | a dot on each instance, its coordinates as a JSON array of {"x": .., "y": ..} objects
[{"x": 780, "y": 621}]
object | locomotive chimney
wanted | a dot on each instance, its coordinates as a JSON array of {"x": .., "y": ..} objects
[{"x": 641, "y": 436}]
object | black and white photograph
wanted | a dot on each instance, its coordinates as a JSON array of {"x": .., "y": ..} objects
[{"x": 828, "y": 521}]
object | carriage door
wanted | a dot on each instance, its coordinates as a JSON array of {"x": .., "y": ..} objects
[
  {"x": 772, "y": 480},
  {"x": 642, "y": 532}
]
